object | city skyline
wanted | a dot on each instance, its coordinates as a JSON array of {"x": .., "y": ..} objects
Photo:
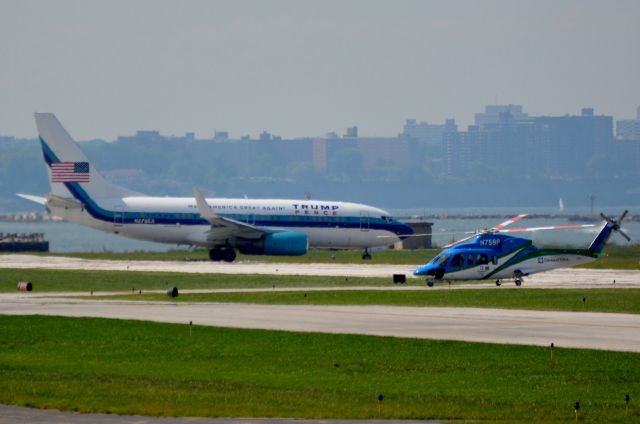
[
  {"x": 354, "y": 131},
  {"x": 305, "y": 69}
]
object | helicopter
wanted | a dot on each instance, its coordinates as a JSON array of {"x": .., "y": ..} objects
[{"x": 491, "y": 253}]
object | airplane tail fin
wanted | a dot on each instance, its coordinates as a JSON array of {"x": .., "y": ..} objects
[
  {"x": 70, "y": 172},
  {"x": 609, "y": 227}
]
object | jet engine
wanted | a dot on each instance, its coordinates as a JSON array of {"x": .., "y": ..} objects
[{"x": 285, "y": 243}]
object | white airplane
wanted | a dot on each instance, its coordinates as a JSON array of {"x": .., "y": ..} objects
[{"x": 81, "y": 195}]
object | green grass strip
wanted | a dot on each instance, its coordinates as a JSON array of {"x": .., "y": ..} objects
[
  {"x": 128, "y": 367},
  {"x": 81, "y": 280},
  {"x": 577, "y": 300}
]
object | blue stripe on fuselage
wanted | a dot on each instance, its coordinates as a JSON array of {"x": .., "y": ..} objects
[{"x": 162, "y": 218}]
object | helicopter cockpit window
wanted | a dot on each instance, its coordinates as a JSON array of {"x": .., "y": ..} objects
[
  {"x": 482, "y": 259},
  {"x": 440, "y": 260},
  {"x": 470, "y": 259},
  {"x": 457, "y": 260}
]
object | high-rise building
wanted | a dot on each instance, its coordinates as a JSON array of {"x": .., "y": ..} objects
[
  {"x": 428, "y": 134},
  {"x": 576, "y": 143},
  {"x": 629, "y": 129},
  {"x": 491, "y": 114}
]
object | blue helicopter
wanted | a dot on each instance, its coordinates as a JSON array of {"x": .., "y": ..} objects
[{"x": 490, "y": 253}]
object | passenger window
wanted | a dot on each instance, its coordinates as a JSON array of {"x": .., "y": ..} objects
[
  {"x": 470, "y": 260},
  {"x": 482, "y": 259},
  {"x": 494, "y": 260},
  {"x": 457, "y": 261}
]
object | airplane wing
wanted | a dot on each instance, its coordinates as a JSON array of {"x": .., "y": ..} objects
[{"x": 222, "y": 228}]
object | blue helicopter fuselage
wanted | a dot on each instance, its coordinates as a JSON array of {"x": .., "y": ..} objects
[{"x": 498, "y": 256}]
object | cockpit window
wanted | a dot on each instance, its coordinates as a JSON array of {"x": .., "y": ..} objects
[
  {"x": 441, "y": 259},
  {"x": 386, "y": 218}
]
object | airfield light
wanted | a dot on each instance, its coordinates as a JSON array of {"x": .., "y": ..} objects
[
  {"x": 190, "y": 327},
  {"x": 380, "y": 399},
  {"x": 551, "y": 349},
  {"x": 576, "y": 408},
  {"x": 626, "y": 403}
]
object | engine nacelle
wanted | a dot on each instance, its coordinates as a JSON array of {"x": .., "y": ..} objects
[{"x": 285, "y": 243}]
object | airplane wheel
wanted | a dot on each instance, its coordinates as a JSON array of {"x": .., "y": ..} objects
[
  {"x": 430, "y": 283},
  {"x": 498, "y": 283},
  {"x": 366, "y": 256},
  {"x": 518, "y": 282},
  {"x": 229, "y": 255},
  {"x": 215, "y": 255}
]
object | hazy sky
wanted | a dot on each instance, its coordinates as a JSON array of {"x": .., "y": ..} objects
[{"x": 297, "y": 68}]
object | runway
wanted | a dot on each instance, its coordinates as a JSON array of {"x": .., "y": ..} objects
[
  {"x": 605, "y": 331},
  {"x": 14, "y": 414},
  {"x": 561, "y": 278}
]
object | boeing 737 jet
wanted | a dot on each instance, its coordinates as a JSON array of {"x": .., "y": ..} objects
[{"x": 79, "y": 194}]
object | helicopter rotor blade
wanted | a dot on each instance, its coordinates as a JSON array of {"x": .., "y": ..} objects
[
  {"x": 623, "y": 234},
  {"x": 458, "y": 242},
  {"x": 407, "y": 235},
  {"x": 622, "y": 216},
  {"x": 553, "y": 227},
  {"x": 509, "y": 221}
]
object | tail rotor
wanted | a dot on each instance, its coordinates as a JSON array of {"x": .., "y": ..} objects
[{"x": 616, "y": 225}]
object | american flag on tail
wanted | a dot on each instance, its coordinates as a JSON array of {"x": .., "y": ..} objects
[{"x": 70, "y": 172}]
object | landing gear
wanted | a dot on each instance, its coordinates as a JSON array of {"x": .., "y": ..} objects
[
  {"x": 518, "y": 277},
  {"x": 498, "y": 283},
  {"x": 227, "y": 255},
  {"x": 430, "y": 283},
  {"x": 366, "y": 256}
]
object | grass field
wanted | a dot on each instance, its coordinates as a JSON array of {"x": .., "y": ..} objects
[
  {"x": 124, "y": 367},
  {"x": 595, "y": 300},
  {"x": 80, "y": 280},
  {"x": 616, "y": 257}
]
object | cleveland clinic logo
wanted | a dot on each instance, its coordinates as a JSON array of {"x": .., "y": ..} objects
[{"x": 315, "y": 209}]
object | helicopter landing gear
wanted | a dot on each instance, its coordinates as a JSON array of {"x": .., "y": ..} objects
[
  {"x": 518, "y": 277},
  {"x": 498, "y": 283},
  {"x": 366, "y": 256},
  {"x": 430, "y": 283}
]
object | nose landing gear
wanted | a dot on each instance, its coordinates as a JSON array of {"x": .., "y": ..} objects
[{"x": 366, "y": 256}]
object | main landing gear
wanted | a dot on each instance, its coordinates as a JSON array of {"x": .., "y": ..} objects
[
  {"x": 366, "y": 256},
  {"x": 227, "y": 255},
  {"x": 518, "y": 278}
]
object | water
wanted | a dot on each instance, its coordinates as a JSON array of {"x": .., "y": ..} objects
[{"x": 67, "y": 237}]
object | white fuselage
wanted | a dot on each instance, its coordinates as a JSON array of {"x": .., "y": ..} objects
[{"x": 176, "y": 220}]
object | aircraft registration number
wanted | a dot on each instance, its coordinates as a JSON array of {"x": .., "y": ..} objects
[{"x": 489, "y": 242}]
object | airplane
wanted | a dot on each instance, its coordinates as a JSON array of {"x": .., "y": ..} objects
[
  {"x": 490, "y": 254},
  {"x": 79, "y": 194}
]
